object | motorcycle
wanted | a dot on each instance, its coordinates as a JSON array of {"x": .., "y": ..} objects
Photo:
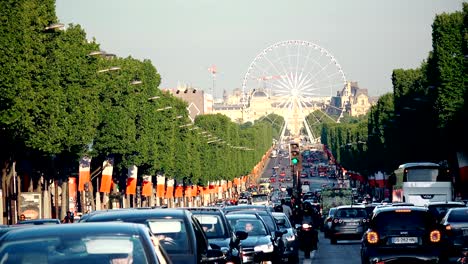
[{"x": 308, "y": 238}]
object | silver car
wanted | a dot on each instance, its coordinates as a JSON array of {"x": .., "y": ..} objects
[{"x": 289, "y": 239}]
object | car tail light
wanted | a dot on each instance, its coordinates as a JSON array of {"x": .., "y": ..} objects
[
  {"x": 372, "y": 237},
  {"x": 435, "y": 236},
  {"x": 365, "y": 220},
  {"x": 448, "y": 227},
  {"x": 336, "y": 221}
]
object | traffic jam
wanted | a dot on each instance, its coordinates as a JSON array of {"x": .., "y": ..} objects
[{"x": 266, "y": 223}]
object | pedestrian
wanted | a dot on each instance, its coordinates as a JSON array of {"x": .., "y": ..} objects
[
  {"x": 22, "y": 217},
  {"x": 286, "y": 209},
  {"x": 68, "y": 218}
]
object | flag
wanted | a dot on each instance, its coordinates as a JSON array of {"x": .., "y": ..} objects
[
  {"x": 170, "y": 188},
  {"x": 72, "y": 197},
  {"x": 84, "y": 172},
  {"x": 106, "y": 179},
  {"x": 212, "y": 69},
  {"x": 161, "y": 184},
  {"x": 179, "y": 191},
  {"x": 132, "y": 180},
  {"x": 147, "y": 186},
  {"x": 462, "y": 158}
]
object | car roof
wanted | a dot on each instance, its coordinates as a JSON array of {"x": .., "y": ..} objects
[
  {"x": 73, "y": 230},
  {"x": 210, "y": 209},
  {"x": 395, "y": 208},
  {"x": 243, "y": 216},
  {"x": 278, "y": 214},
  {"x": 445, "y": 203},
  {"x": 176, "y": 213},
  {"x": 246, "y": 207},
  {"x": 417, "y": 164},
  {"x": 350, "y": 206}
]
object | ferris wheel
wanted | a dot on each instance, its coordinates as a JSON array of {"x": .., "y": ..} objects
[{"x": 300, "y": 76}]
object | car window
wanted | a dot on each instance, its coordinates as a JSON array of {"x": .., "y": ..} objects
[
  {"x": 458, "y": 216},
  {"x": 404, "y": 220},
  {"x": 77, "y": 249},
  {"x": 172, "y": 233},
  {"x": 286, "y": 223},
  {"x": 269, "y": 222},
  {"x": 212, "y": 225},
  {"x": 351, "y": 213},
  {"x": 253, "y": 227},
  {"x": 202, "y": 243}
]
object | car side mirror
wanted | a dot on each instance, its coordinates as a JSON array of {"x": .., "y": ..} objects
[
  {"x": 241, "y": 235},
  {"x": 280, "y": 233}
]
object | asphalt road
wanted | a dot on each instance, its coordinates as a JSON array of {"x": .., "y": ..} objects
[{"x": 345, "y": 251}]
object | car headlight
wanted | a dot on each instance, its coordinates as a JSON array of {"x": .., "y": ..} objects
[
  {"x": 265, "y": 248},
  {"x": 291, "y": 238}
]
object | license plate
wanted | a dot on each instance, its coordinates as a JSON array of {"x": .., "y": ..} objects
[
  {"x": 405, "y": 240},
  {"x": 352, "y": 223}
]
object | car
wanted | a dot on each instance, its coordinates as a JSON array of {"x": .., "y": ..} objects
[
  {"x": 455, "y": 231},
  {"x": 282, "y": 174},
  {"x": 291, "y": 246},
  {"x": 401, "y": 233},
  {"x": 219, "y": 232},
  {"x": 179, "y": 231},
  {"x": 265, "y": 212},
  {"x": 51, "y": 221},
  {"x": 328, "y": 222},
  {"x": 439, "y": 209},
  {"x": 82, "y": 243},
  {"x": 348, "y": 222},
  {"x": 259, "y": 246}
]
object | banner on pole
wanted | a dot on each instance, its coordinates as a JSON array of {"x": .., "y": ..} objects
[
  {"x": 132, "y": 180},
  {"x": 106, "y": 179},
  {"x": 84, "y": 172}
]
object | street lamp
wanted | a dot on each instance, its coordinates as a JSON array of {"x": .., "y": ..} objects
[
  {"x": 135, "y": 82},
  {"x": 54, "y": 26},
  {"x": 110, "y": 69}
]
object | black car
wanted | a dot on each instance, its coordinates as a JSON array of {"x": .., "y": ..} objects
[
  {"x": 259, "y": 246},
  {"x": 219, "y": 232},
  {"x": 348, "y": 222},
  {"x": 455, "y": 231},
  {"x": 79, "y": 243},
  {"x": 179, "y": 232},
  {"x": 439, "y": 209},
  {"x": 403, "y": 233}
]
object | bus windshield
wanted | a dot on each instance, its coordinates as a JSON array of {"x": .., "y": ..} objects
[{"x": 422, "y": 174}]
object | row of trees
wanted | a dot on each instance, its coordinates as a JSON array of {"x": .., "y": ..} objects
[
  {"x": 426, "y": 116},
  {"x": 62, "y": 98}
]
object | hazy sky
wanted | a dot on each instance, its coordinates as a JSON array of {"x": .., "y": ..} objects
[{"x": 369, "y": 38}]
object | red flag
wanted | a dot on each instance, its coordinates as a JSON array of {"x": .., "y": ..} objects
[
  {"x": 147, "y": 186},
  {"x": 84, "y": 172},
  {"x": 132, "y": 180}
]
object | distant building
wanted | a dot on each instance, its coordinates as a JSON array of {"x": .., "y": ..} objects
[
  {"x": 199, "y": 102},
  {"x": 353, "y": 99}
]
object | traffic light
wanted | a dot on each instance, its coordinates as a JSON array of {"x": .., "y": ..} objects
[{"x": 294, "y": 153}]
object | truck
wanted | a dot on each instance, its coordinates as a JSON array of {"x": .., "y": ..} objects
[{"x": 333, "y": 197}]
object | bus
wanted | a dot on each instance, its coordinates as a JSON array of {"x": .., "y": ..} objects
[{"x": 420, "y": 183}]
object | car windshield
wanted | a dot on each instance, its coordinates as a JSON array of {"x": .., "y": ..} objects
[
  {"x": 74, "y": 250},
  {"x": 351, "y": 213},
  {"x": 253, "y": 227},
  {"x": 402, "y": 219},
  {"x": 458, "y": 216},
  {"x": 212, "y": 225},
  {"x": 172, "y": 234},
  {"x": 286, "y": 223}
]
